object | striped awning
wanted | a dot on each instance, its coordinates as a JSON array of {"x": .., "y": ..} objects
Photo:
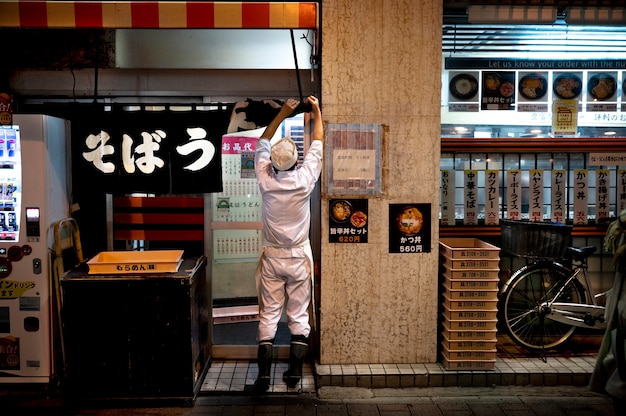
[{"x": 158, "y": 14}]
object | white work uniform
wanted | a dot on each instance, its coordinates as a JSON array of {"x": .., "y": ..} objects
[{"x": 286, "y": 260}]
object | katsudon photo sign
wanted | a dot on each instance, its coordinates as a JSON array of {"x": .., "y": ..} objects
[{"x": 409, "y": 228}]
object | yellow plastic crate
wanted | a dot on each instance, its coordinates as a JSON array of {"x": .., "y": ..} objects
[{"x": 131, "y": 262}]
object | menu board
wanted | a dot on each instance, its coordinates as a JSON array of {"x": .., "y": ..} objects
[
  {"x": 240, "y": 199},
  {"x": 529, "y": 88}
]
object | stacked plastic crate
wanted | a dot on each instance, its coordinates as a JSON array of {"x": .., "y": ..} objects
[{"x": 470, "y": 303}]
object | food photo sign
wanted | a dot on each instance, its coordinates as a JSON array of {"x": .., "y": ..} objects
[
  {"x": 498, "y": 91},
  {"x": 409, "y": 228},
  {"x": 348, "y": 221}
]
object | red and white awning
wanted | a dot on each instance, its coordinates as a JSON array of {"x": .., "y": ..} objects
[{"x": 158, "y": 14}]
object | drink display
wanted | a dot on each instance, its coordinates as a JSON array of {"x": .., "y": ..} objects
[{"x": 10, "y": 179}]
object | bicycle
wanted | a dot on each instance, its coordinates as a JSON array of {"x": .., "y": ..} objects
[{"x": 544, "y": 302}]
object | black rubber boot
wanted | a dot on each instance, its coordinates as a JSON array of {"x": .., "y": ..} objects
[
  {"x": 264, "y": 357},
  {"x": 297, "y": 351}
]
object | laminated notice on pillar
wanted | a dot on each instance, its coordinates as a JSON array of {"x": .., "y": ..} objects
[
  {"x": 581, "y": 196},
  {"x": 353, "y": 159},
  {"x": 471, "y": 197},
  {"x": 514, "y": 194}
]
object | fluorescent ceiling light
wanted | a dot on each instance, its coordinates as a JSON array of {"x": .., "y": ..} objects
[
  {"x": 511, "y": 14},
  {"x": 595, "y": 15}
]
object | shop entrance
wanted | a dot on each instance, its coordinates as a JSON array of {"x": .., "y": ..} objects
[{"x": 236, "y": 239}]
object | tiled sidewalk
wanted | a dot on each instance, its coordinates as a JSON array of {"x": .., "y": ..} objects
[
  {"x": 239, "y": 376},
  {"x": 508, "y": 372},
  {"x": 514, "y": 367}
]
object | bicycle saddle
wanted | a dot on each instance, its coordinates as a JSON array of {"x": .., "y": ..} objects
[{"x": 581, "y": 253}]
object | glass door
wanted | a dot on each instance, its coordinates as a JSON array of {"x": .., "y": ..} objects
[{"x": 237, "y": 239}]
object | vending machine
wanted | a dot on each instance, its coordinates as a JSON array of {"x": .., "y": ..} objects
[{"x": 33, "y": 195}]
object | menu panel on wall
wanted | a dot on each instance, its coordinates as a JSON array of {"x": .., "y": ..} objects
[
  {"x": 603, "y": 179},
  {"x": 536, "y": 195},
  {"x": 514, "y": 194},
  {"x": 533, "y": 90},
  {"x": 558, "y": 196},
  {"x": 621, "y": 190},
  {"x": 597, "y": 86},
  {"x": 447, "y": 197},
  {"x": 581, "y": 196},
  {"x": 492, "y": 197},
  {"x": 471, "y": 197},
  {"x": 240, "y": 199},
  {"x": 498, "y": 92}
]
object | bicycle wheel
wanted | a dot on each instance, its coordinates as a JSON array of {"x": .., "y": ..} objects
[{"x": 525, "y": 305}]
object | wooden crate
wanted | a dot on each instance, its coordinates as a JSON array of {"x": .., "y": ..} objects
[
  {"x": 463, "y": 284},
  {"x": 469, "y": 344},
  {"x": 471, "y": 314},
  {"x": 468, "y": 365},
  {"x": 471, "y": 325},
  {"x": 463, "y": 248},
  {"x": 462, "y": 294},
  {"x": 470, "y": 355},
  {"x": 481, "y": 304},
  {"x": 473, "y": 274},
  {"x": 468, "y": 335},
  {"x": 470, "y": 263}
]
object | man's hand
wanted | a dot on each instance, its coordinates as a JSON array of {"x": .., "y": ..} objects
[
  {"x": 284, "y": 112},
  {"x": 288, "y": 107},
  {"x": 314, "y": 102},
  {"x": 318, "y": 128}
]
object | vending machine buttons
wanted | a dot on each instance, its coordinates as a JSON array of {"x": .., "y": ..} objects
[
  {"x": 37, "y": 266},
  {"x": 5, "y": 267},
  {"x": 32, "y": 222}
]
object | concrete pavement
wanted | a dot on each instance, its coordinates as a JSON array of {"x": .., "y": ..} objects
[{"x": 342, "y": 401}]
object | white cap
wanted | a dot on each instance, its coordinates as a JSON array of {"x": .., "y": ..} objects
[{"x": 284, "y": 154}]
